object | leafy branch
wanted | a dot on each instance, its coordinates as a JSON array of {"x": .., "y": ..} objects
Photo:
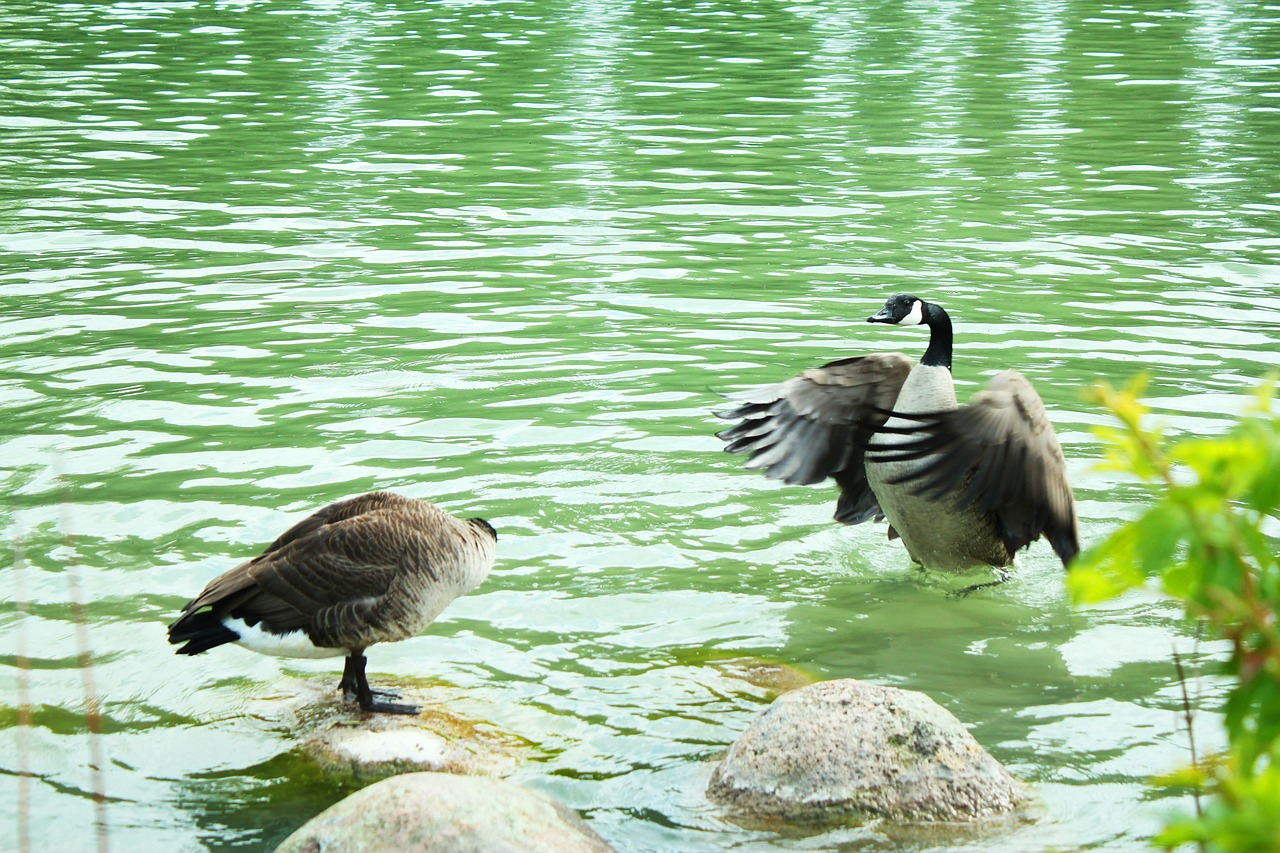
[{"x": 1205, "y": 538}]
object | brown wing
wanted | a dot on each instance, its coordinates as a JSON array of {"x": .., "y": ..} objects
[
  {"x": 344, "y": 557},
  {"x": 999, "y": 452},
  {"x": 343, "y": 567},
  {"x": 817, "y": 425},
  {"x": 340, "y": 511}
]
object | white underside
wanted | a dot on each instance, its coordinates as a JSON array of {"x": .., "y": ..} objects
[
  {"x": 295, "y": 644},
  {"x": 936, "y": 534}
]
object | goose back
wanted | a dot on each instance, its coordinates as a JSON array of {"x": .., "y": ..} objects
[{"x": 371, "y": 569}]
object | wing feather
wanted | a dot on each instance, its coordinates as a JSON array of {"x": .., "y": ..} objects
[
  {"x": 817, "y": 425},
  {"x": 344, "y": 554},
  {"x": 999, "y": 452}
]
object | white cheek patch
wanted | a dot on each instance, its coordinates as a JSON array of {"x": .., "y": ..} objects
[
  {"x": 915, "y": 318},
  {"x": 295, "y": 644}
]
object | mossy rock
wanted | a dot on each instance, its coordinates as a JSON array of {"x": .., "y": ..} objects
[
  {"x": 365, "y": 747},
  {"x": 772, "y": 676}
]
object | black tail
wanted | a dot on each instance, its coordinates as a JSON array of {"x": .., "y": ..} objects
[{"x": 200, "y": 631}]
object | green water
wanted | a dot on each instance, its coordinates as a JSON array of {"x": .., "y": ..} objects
[{"x": 259, "y": 256}]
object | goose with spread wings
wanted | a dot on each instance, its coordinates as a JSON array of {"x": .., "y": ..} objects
[
  {"x": 370, "y": 569},
  {"x": 962, "y": 486}
]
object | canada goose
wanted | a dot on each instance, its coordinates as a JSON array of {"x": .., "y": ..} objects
[
  {"x": 370, "y": 569},
  {"x": 962, "y": 487}
]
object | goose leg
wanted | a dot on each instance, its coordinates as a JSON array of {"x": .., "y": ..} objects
[
  {"x": 378, "y": 693},
  {"x": 1002, "y": 576},
  {"x": 355, "y": 685},
  {"x": 349, "y": 687},
  {"x": 349, "y": 690}
]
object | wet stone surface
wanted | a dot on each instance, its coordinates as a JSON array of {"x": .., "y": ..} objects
[
  {"x": 442, "y": 813},
  {"x": 346, "y": 741},
  {"x": 847, "y": 749}
]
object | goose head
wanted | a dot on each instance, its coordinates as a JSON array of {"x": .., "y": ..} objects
[
  {"x": 907, "y": 310},
  {"x": 901, "y": 310},
  {"x": 483, "y": 526}
]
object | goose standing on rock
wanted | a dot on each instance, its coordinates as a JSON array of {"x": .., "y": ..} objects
[
  {"x": 961, "y": 486},
  {"x": 370, "y": 569}
]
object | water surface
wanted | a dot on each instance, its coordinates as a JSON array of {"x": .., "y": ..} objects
[{"x": 504, "y": 256}]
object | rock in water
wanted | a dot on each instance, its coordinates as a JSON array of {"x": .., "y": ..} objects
[
  {"x": 350, "y": 745},
  {"x": 437, "y": 812},
  {"x": 846, "y": 748}
]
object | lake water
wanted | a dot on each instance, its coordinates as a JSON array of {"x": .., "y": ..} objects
[{"x": 505, "y": 255}]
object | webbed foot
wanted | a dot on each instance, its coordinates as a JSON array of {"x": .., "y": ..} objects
[
  {"x": 375, "y": 707},
  {"x": 1002, "y": 574}
]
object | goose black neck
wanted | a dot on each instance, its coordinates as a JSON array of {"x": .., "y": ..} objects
[{"x": 939, "y": 352}]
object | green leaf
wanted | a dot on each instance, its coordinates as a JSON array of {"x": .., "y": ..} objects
[
  {"x": 1157, "y": 535},
  {"x": 1204, "y": 535},
  {"x": 1192, "y": 776},
  {"x": 1244, "y": 817},
  {"x": 1181, "y": 580},
  {"x": 1263, "y": 494},
  {"x": 1107, "y": 570},
  {"x": 1091, "y": 585}
]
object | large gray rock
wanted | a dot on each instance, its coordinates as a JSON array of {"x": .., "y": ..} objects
[
  {"x": 440, "y": 813},
  {"x": 847, "y": 748}
]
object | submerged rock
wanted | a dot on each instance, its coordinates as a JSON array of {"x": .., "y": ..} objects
[
  {"x": 772, "y": 676},
  {"x": 437, "y": 812},
  {"x": 346, "y": 741},
  {"x": 846, "y": 748}
]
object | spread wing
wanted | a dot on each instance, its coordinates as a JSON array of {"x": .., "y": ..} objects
[
  {"x": 817, "y": 425},
  {"x": 999, "y": 452}
]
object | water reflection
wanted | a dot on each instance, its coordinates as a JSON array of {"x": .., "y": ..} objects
[{"x": 504, "y": 257}]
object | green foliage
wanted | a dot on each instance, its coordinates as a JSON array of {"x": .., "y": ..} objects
[
  {"x": 1203, "y": 538},
  {"x": 1242, "y": 815}
]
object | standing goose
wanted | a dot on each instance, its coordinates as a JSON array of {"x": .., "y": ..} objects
[
  {"x": 962, "y": 486},
  {"x": 370, "y": 569}
]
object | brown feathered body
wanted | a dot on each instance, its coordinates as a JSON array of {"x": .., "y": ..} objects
[{"x": 370, "y": 569}]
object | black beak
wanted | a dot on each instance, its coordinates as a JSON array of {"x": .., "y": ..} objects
[{"x": 881, "y": 316}]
